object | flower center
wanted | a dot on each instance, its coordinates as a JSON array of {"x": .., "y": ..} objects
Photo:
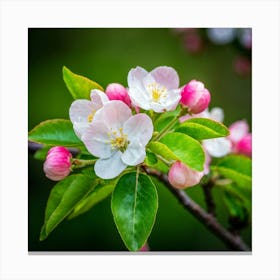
[
  {"x": 91, "y": 115},
  {"x": 118, "y": 140},
  {"x": 156, "y": 91}
]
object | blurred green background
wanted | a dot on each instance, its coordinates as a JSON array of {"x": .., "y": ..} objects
[{"x": 106, "y": 56}]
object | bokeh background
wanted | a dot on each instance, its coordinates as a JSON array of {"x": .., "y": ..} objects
[{"x": 220, "y": 58}]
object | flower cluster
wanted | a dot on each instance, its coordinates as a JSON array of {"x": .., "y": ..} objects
[{"x": 116, "y": 125}]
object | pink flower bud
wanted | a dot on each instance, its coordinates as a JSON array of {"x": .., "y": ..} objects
[
  {"x": 145, "y": 248},
  {"x": 117, "y": 92},
  {"x": 58, "y": 163},
  {"x": 195, "y": 96},
  {"x": 244, "y": 146},
  {"x": 181, "y": 176}
]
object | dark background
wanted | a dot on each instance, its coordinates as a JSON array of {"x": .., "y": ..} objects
[{"x": 106, "y": 56}]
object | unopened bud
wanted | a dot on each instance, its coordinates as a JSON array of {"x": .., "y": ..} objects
[
  {"x": 181, "y": 176},
  {"x": 195, "y": 96},
  {"x": 58, "y": 163},
  {"x": 116, "y": 91}
]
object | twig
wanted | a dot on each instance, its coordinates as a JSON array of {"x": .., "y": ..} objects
[
  {"x": 33, "y": 147},
  {"x": 233, "y": 241}
]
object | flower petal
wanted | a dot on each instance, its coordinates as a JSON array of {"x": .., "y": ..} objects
[
  {"x": 217, "y": 147},
  {"x": 134, "y": 154},
  {"x": 139, "y": 97},
  {"x": 97, "y": 141},
  {"x": 80, "y": 128},
  {"x": 80, "y": 110},
  {"x": 114, "y": 114},
  {"x": 135, "y": 77},
  {"x": 166, "y": 76},
  {"x": 139, "y": 128},
  {"x": 217, "y": 114},
  {"x": 111, "y": 167},
  {"x": 238, "y": 130},
  {"x": 98, "y": 97}
]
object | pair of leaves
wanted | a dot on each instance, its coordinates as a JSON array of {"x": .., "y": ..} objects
[
  {"x": 71, "y": 197},
  {"x": 134, "y": 205}
]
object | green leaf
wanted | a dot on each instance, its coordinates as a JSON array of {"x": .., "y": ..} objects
[
  {"x": 237, "y": 168},
  {"x": 165, "y": 118},
  {"x": 78, "y": 85},
  {"x": 186, "y": 149},
  {"x": 203, "y": 128},
  {"x": 150, "y": 159},
  {"x": 41, "y": 154},
  {"x": 63, "y": 198},
  {"x": 162, "y": 150},
  {"x": 235, "y": 206},
  {"x": 57, "y": 132},
  {"x": 98, "y": 194},
  {"x": 134, "y": 207},
  {"x": 242, "y": 194}
]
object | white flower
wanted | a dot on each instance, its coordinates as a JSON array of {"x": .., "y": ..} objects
[
  {"x": 157, "y": 90},
  {"x": 217, "y": 147},
  {"x": 82, "y": 111},
  {"x": 118, "y": 138}
]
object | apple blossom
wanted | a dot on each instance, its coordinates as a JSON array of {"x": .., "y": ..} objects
[
  {"x": 180, "y": 176},
  {"x": 195, "y": 97},
  {"x": 82, "y": 111},
  {"x": 157, "y": 90},
  {"x": 116, "y": 91},
  {"x": 240, "y": 138},
  {"x": 244, "y": 146},
  {"x": 58, "y": 163},
  {"x": 118, "y": 138}
]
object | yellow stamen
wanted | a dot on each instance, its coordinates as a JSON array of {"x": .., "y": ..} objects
[
  {"x": 157, "y": 92},
  {"x": 118, "y": 140}
]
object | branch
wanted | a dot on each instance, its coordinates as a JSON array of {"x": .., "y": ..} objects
[
  {"x": 233, "y": 241},
  {"x": 33, "y": 147}
]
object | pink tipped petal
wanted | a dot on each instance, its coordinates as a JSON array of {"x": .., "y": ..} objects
[
  {"x": 238, "y": 130},
  {"x": 114, "y": 114},
  {"x": 217, "y": 147},
  {"x": 111, "y": 167},
  {"x": 140, "y": 128},
  {"x": 96, "y": 140},
  {"x": 134, "y": 154},
  {"x": 98, "y": 97},
  {"x": 166, "y": 76}
]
